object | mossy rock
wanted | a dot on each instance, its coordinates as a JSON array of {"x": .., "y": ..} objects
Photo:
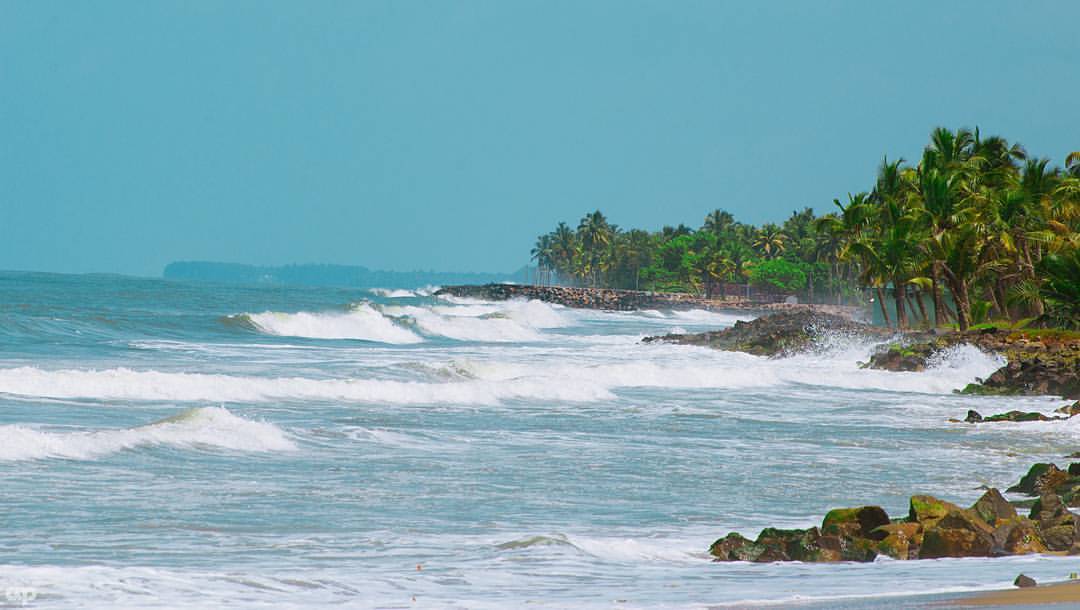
[
  {"x": 858, "y": 522},
  {"x": 900, "y": 540},
  {"x": 993, "y": 508},
  {"x": 928, "y": 509}
]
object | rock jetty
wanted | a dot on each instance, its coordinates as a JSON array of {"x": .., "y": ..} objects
[
  {"x": 933, "y": 528},
  {"x": 629, "y": 300}
]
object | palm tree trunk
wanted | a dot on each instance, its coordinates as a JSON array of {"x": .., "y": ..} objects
[
  {"x": 884, "y": 308},
  {"x": 899, "y": 290},
  {"x": 963, "y": 301},
  {"x": 995, "y": 303},
  {"x": 918, "y": 297},
  {"x": 935, "y": 289}
]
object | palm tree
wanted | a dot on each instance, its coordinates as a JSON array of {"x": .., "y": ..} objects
[
  {"x": 770, "y": 241},
  {"x": 594, "y": 235},
  {"x": 563, "y": 249},
  {"x": 718, "y": 222},
  {"x": 542, "y": 254},
  {"x": 1072, "y": 163}
]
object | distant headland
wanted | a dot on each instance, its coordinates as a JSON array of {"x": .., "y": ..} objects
[{"x": 352, "y": 276}]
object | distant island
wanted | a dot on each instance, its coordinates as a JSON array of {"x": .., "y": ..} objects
[{"x": 352, "y": 276}]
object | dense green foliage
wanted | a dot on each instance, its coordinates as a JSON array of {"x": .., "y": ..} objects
[{"x": 977, "y": 221}]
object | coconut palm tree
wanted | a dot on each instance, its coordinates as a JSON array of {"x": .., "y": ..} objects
[
  {"x": 542, "y": 254},
  {"x": 1072, "y": 163},
  {"x": 770, "y": 241},
  {"x": 718, "y": 222}
]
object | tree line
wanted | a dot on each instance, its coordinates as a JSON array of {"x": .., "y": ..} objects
[{"x": 977, "y": 229}]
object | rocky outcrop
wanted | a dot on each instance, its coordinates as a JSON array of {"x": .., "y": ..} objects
[
  {"x": 773, "y": 335},
  {"x": 1038, "y": 362},
  {"x": 631, "y": 300},
  {"x": 933, "y": 528},
  {"x": 1057, "y": 375}
]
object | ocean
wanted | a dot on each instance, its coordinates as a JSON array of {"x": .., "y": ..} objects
[{"x": 168, "y": 444}]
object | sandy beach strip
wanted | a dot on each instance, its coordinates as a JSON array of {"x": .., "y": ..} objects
[{"x": 1054, "y": 593}]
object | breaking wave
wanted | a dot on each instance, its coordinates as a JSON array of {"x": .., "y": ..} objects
[
  {"x": 213, "y": 427},
  {"x": 127, "y": 384},
  {"x": 362, "y": 322},
  {"x": 484, "y": 322}
]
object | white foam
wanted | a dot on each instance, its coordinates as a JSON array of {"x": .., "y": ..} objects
[
  {"x": 362, "y": 322},
  {"x": 128, "y": 384},
  {"x": 201, "y": 427},
  {"x": 505, "y": 321},
  {"x": 393, "y": 293}
]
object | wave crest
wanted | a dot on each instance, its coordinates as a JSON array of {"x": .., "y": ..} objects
[
  {"x": 213, "y": 427},
  {"x": 362, "y": 322}
]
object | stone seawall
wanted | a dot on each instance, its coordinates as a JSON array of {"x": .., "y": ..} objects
[{"x": 630, "y": 300}]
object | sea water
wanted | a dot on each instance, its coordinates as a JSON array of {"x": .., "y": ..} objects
[{"x": 169, "y": 444}]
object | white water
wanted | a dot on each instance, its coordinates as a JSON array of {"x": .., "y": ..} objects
[
  {"x": 212, "y": 427},
  {"x": 363, "y": 322},
  {"x": 522, "y": 454}
]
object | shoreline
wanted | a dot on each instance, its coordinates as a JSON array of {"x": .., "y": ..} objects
[
  {"x": 1062, "y": 592},
  {"x": 634, "y": 300}
]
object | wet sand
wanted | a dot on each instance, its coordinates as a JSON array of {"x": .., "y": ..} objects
[{"x": 1055, "y": 593}]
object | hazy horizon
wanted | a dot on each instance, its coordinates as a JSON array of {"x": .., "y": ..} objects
[{"x": 448, "y": 135}]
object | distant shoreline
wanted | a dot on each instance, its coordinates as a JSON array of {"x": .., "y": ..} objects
[{"x": 632, "y": 300}]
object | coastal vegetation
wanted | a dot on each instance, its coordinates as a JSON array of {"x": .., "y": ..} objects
[{"x": 977, "y": 229}]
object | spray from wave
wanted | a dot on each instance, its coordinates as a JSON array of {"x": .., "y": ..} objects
[{"x": 206, "y": 427}]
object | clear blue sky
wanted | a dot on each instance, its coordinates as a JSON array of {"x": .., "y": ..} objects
[{"x": 447, "y": 135}]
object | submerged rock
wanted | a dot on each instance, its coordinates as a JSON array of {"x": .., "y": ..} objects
[{"x": 973, "y": 417}]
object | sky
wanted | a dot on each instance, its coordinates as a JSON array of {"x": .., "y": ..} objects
[{"x": 447, "y": 135}]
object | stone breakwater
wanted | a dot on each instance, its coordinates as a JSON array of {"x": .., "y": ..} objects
[
  {"x": 933, "y": 528},
  {"x": 630, "y": 300}
]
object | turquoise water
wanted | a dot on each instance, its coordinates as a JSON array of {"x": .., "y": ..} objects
[{"x": 169, "y": 444}]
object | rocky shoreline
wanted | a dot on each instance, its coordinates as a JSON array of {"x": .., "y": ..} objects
[
  {"x": 932, "y": 529},
  {"x": 1038, "y": 362},
  {"x": 631, "y": 300}
]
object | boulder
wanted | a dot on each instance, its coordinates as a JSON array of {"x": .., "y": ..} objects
[
  {"x": 735, "y": 547},
  {"x": 1018, "y": 537},
  {"x": 960, "y": 533},
  {"x": 927, "y": 510},
  {"x": 1040, "y": 477},
  {"x": 900, "y": 358},
  {"x": 859, "y": 522},
  {"x": 1056, "y": 525},
  {"x": 899, "y": 540},
  {"x": 849, "y": 549},
  {"x": 993, "y": 508},
  {"x": 1024, "y": 582},
  {"x": 774, "y": 544},
  {"x": 1069, "y": 410}
]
